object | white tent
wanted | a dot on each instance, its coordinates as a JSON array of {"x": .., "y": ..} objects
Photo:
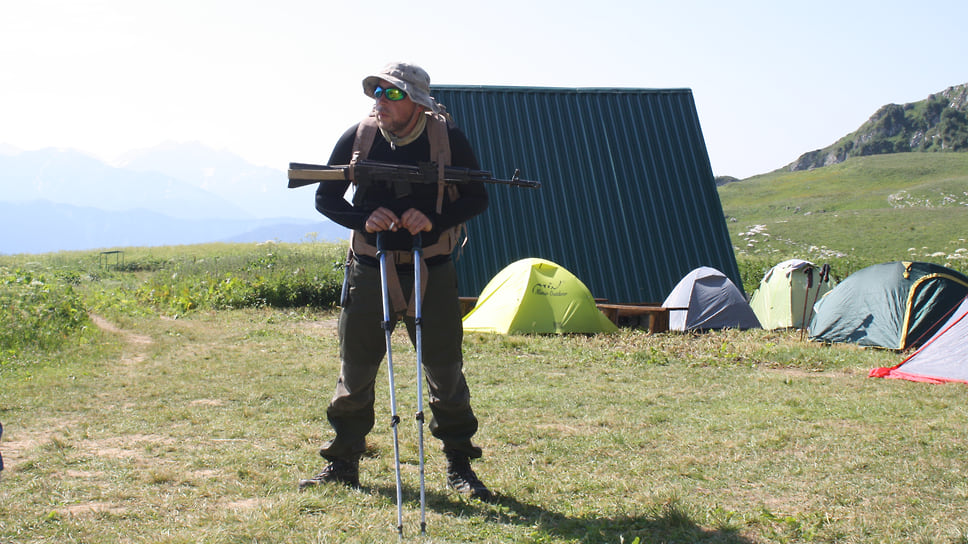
[
  {"x": 943, "y": 358},
  {"x": 706, "y": 299}
]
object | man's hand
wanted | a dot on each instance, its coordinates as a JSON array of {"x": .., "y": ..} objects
[
  {"x": 383, "y": 219},
  {"x": 415, "y": 221}
]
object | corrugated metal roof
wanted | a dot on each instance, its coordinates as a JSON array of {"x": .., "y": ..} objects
[{"x": 628, "y": 202}]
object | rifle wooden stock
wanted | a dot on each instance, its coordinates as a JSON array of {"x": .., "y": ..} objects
[
  {"x": 301, "y": 174},
  {"x": 306, "y": 174}
]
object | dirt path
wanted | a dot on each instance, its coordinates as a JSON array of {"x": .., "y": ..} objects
[
  {"x": 138, "y": 341},
  {"x": 136, "y": 352}
]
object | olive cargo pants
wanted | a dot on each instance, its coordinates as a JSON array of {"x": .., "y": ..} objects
[{"x": 363, "y": 347}]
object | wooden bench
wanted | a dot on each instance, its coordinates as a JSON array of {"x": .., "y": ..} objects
[
  {"x": 651, "y": 317},
  {"x": 467, "y": 304}
]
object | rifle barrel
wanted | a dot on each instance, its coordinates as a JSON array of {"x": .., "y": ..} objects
[{"x": 301, "y": 174}]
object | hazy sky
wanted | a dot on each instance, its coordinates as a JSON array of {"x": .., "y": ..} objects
[{"x": 278, "y": 81}]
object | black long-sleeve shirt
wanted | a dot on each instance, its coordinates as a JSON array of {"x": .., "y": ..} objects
[{"x": 473, "y": 199}]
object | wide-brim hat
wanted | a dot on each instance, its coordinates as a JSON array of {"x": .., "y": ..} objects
[{"x": 410, "y": 78}]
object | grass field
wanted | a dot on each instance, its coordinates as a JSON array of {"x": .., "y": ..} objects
[
  {"x": 196, "y": 430},
  {"x": 166, "y": 425}
]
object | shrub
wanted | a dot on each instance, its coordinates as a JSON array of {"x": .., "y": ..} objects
[
  {"x": 279, "y": 277},
  {"x": 37, "y": 312}
]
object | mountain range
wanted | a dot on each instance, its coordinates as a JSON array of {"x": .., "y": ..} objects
[{"x": 173, "y": 194}]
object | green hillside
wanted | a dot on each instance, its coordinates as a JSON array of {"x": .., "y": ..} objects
[
  {"x": 905, "y": 206},
  {"x": 939, "y": 123}
]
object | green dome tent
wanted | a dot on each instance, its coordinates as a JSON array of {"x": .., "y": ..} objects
[
  {"x": 894, "y": 305},
  {"x": 536, "y": 296},
  {"x": 787, "y": 293}
]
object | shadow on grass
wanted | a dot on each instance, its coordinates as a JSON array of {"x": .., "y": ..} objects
[{"x": 668, "y": 523}]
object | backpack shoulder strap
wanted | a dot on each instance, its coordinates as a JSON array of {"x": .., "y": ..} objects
[
  {"x": 440, "y": 154},
  {"x": 365, "y": 135}
]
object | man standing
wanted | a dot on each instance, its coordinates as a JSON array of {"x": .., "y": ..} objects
[{"x": 407, "y": 126}]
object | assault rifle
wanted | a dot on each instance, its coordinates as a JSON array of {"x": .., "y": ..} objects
[{"x": 399, "y": 175}]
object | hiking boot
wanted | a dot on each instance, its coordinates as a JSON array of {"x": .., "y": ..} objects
[
  {"x": 461, "y": 477},
  {"x": 339, "y": 471}
]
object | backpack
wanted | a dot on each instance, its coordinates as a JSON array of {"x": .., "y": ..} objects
[{"x": 449, "y": 239}]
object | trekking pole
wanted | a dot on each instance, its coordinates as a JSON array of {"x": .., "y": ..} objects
[
  {"x": 806, "y": 297},
  {"x": 823, "y": 278},
  {"x": 394, "y": 418},
  {"x": 418, "y": 325}
]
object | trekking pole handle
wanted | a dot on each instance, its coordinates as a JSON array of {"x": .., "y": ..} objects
[{"x": 379, "y": 242}]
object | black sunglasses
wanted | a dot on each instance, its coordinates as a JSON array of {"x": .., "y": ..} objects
[{"x": 392, "y": 94}]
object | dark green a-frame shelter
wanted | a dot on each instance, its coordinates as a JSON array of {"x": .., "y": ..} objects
[{"x": 628, "y": 202}]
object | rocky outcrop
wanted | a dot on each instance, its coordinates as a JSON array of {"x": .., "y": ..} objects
[{"x": 937, "y": 123}]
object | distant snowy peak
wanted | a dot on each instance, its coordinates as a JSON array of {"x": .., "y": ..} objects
[
  {"x": 8, "y": 150},
  {"x": 259, "y": 190},
  {"x": 178, "y": 179},
  {"x": 76, "y": 179}
]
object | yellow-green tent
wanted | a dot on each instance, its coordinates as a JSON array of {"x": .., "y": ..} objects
[
  {"x": 787, "y": 293},
  {"x": 536, "y": 296}
]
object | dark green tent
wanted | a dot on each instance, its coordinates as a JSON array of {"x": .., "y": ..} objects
[{"x": 894, "y": 305}]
